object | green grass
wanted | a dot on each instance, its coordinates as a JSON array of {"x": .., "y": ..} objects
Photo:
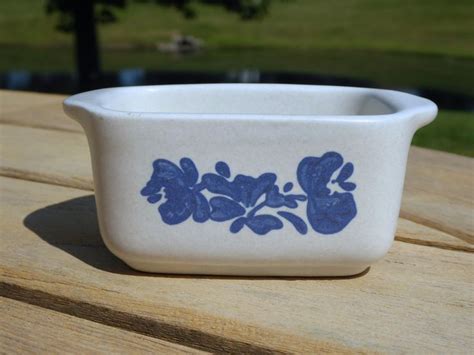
[
  {"x": 451, "y": 131},
  {"x": 414, "y": 26},
  {"x": 396, "y": 43}
]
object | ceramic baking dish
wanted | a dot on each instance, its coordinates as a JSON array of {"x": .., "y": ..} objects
[{"x": 249, "y": 179}]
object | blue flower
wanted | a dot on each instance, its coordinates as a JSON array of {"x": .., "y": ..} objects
[
  {"x": 180, "y": 188},
  {"x": 327, "y": 212},
  {"x": 243, "y": 189},
  {"x": 276, "y": 199},
  {"x": 240, "y": 199}
]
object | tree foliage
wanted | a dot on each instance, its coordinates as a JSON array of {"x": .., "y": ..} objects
[{"x": 104, "y": 10}]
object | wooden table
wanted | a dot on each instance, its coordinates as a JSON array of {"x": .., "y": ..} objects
[{"x": 62, "y": 290}]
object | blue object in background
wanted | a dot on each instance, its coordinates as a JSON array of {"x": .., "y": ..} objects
[
  {"x": 130, "y": 77},
  {"x": 18, "y": 80}
]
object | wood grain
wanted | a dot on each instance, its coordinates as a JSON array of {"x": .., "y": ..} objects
[
  {"x": 62, "y": 158},
  {"x": 29, "y": 329},
  {"x": 439, "y": 192},
  {"x": 35, "y": 110},
  {"x": 412, "y": 232},
  {"x": 417, "y": 299},
  {"x": 54, "y": 157}
]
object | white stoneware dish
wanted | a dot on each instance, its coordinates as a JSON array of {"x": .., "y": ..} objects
[{"x": 249, "y": 179}]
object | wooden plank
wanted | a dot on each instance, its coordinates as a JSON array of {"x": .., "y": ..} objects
[
  {"x": 12, "y": 101},
  {"x": 62, "y": 158},
  {"x": 411, "y": 232},
  {"x": 417, "y": 299},
  {"x": 28, "y": 329},
  {"x": 35, "y": 110},
  {"x": 439, "y": 192},
  {"x": 55, "y": 157}
]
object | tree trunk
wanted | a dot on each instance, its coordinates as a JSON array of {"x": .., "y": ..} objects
[{"x": 87, "y": 53}]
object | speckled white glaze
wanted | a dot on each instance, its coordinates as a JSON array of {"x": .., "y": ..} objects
[{"x": 254, "y": 128}]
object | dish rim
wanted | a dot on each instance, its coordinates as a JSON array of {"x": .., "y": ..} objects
[{"x": 404, "y": 105}]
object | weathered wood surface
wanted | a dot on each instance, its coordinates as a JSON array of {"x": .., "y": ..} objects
[
  {"x": 417, "y": 299},
  {"x": 439, "y": 192},
  {"x": 54, "y": 157},
  {"x": 35, "y": 110},
  {"x": 412, "y": 232},
  {"x": 28, "y": 329}
]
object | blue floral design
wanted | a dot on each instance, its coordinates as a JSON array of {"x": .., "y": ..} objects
[
  {"x": 327, "y": 212},
  {"x": 242, "y": 198}
]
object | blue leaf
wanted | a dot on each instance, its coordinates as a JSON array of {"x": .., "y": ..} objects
[
  {"x": 238, "y": 224},
  {"x": 250, "y": 189},
  {"x": 263, "y": 184},
  {"x": 223, "y": 169},
  {"x": 291, "y": 203},
  {"x": 154, "y": 198},
  {"x": 219, "y": 185},
  {"x": 348, "y": 186},
  {"x": 224, "y": 209},
  {"x": 202, "y": 209},
  {"x": 331, "y": 214},
  {"x": 191, "y": 174},
  {"x": 345, "y": 172},
  {"x": 264, "y": 223},
  {"x": 288, "y": 186},
  {"x": 274, "y": 199},
  {"x": 298, "y": 197},
  {"x": 297, "y": 222},
  {"x": 243, "y": 186},
  {"x": 244, "y": 189}
]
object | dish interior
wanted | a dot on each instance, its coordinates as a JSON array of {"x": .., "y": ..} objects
[{"x": 247, "y": 99}]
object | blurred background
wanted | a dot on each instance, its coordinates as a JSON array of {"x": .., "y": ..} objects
[{"x": 425, "y": 47}]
